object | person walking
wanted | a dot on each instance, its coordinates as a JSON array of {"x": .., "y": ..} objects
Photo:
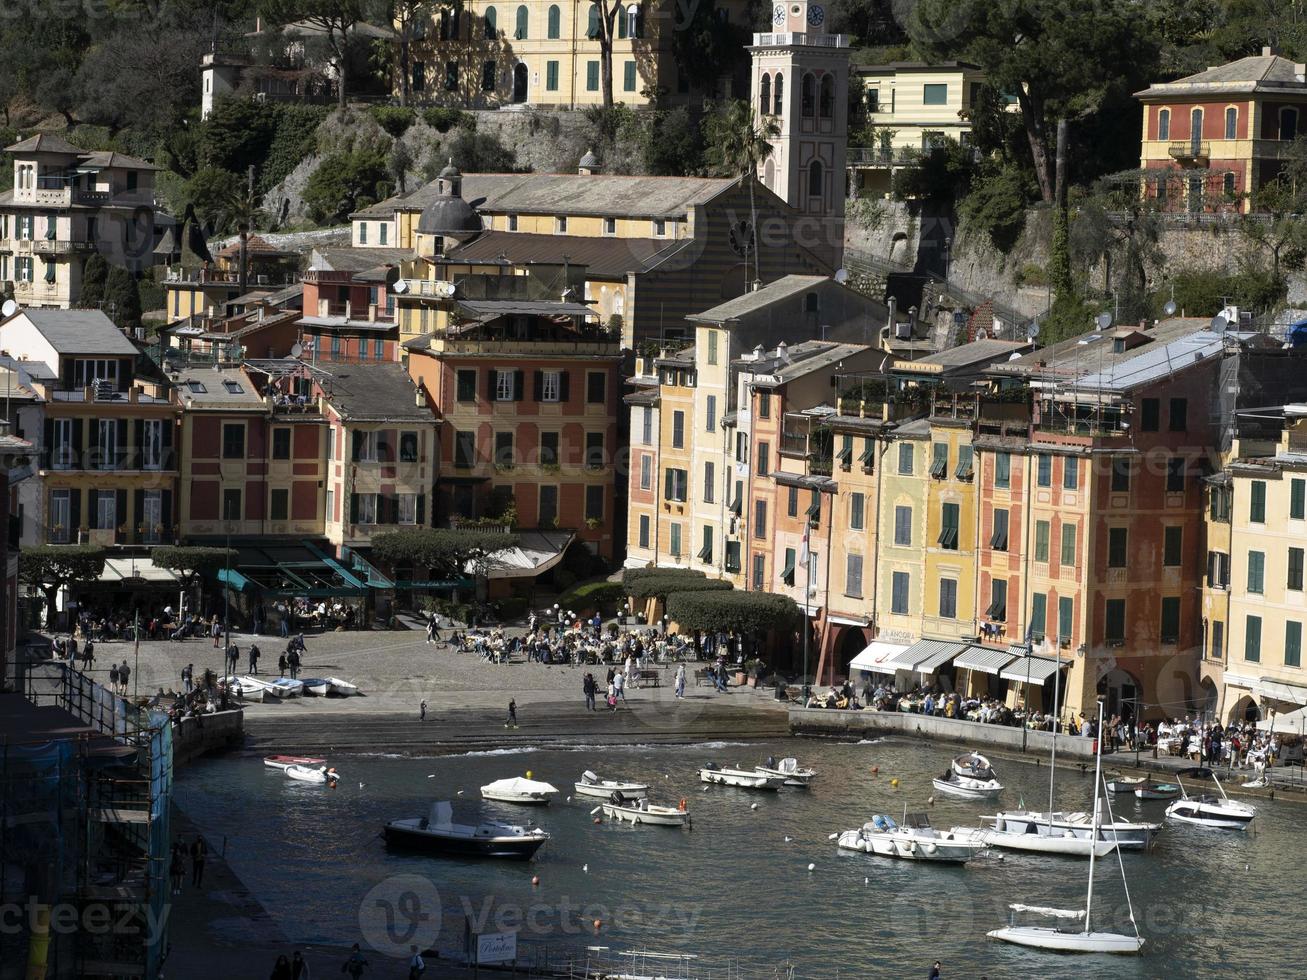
[
  {"x": 199, "y": 852},
  {"x": 124, "y": 673},
  {"x": 299, "y": 967},
  {"x": 283, "y": 619},
  {"x": 680, "y": 681},
  {"x": 281, "y": 969},
  {"x": 215, "y": 630},
  {"x": 113, "y": 677},
  {"x": 233, "y": 657},
  {"x": 355, "y": 964},
  {"x": 281, "y": 664},
  {"x": 254, "y": 658},
  {"x": 619, "y": 686},
  {"x": 416, "y": 965},
  {"x": 422, "y": 710},
  {"x": 591, "y": 689},
  {"x": 433, "y": 629},
  {"x": 188, "y": 678},
  {"x": 512, "y": 714},
  {"x": 293, "y": 662},
  {"x": 177, "y": 868},
  {"x": 88, "y": 655}
]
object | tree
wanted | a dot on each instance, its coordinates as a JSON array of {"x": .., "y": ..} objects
[
  {"x": 399, "y": 163},
  {"x": 141, "y": 75},
  {"x": 94, "y": 276},
  {"x": 736, "y": 145},
  {"x": 738, "y": 612},
  {"x": 1059, "y": 60},
  {"x": 209, "y": 191},
  {"x": 706, "y": 45},
  {"x": 442, "y": 551},
  {"x": 343, "y": 183},
  {"x": 122, "y": 298},
  {"x": 405, "y": 15},
  {"x": 1276, "y": 225},
  {"x": 192, "y": 562},
  {"x": 604, "y": 14},
  {"x": 336, "y": 19},
  {"x": 51, "y": 567}
]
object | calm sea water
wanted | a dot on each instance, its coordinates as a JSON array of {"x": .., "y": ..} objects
[{"x": 1210, "y": 903}]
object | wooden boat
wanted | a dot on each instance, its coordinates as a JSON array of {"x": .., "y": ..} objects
[
  {"x": 247, "y": 688},
  {"x": 638, "y": 811},
  {"x": 741, "y": 778},
  {"x": 1157, "y": 791},
  {"x": 790, "y": 770},
  {"x": 1126, "y": 833},
  {"x": 438, "y": 834},
  {"x": 284, "y": 762},
  {"x": 341, "y": 688},
  {"x": 592, "y": 785},
  {"x": 1124, "y": 784},
  {"x": 518, "y": 790},
  {"x": 285, "y": 687},
  {"x": 914, "y": 840},
  {"x": 322, "y": 775},
  {"x": 316, "y": 686}
]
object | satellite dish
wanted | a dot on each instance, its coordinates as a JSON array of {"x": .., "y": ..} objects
[
  {"x": 446, "y": 289},
  {"x": 841, "y": 275},
  {"x": 1104, "y": 320},
  {"x": 9, "y": 309},
  {"x": 392, "y": 275},
  {"x": 1014, "y": 356},
  {"x": 1170, "y": 307},
  {"x": 399, "y": 286},
  {"x": 296, "y": 349},
  {"x": 1032, "y": 331},
  {"x": 1219, "y": 323}
]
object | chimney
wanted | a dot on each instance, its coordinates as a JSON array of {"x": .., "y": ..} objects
[
  {"x": 783, "y": 352},
  {"x": 1269, "y": 51},
  {"x": 324, "y": 306},
  {"x": 1300, "y": 73}
]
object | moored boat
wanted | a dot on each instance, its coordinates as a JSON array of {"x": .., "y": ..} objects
[
  {"x": 791, "y": 772},
  {"x": 638, "y": 811},
  {"x": 285, "y": 687},
  {"x": 1209, "y": 810},
  {"x": 316, "y": 686},
  {"x": 914, "y": 840},
  {"x": 970, "y": 777},
  {"x": 591, "y": 785},
  {"x": 518, "y": 790},
  {"x": 283, "y": 762},
  {"x": 247, "y": 688},
  {"x": 438, "y": 834},
  {"x": 322, "y": 775},
  {"x": 1126, "y": 833},
  {"x": 1028, "y": 838},
  {"x": 341, "y": 688},
  {"x": 1157, "y": 791},
  {"x": 741, "y": 778}
]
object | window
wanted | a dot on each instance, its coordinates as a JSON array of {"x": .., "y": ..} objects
[
  {"x": 660, "y": 230},
  {"x": 939, "y": 460},
  {"x": 1003, "y": 470},
  {"x": 674, "y": 540},
  {"x": 153, "y": 434},
  {"x": 233, "y": 441},
  {"x": 903, "y": 526},
  {"x": 646, "y": 425},
  {"x": 364, "y": 506},
  {"x": 596, "y": 388},
  {"x": 106, "y": 510},
  {"x": 792, "y": 502},
  {"x": 610, "y": 226},
  {"x": 808, "y": 95},
  {"x": 712, "y": 346},
  {"x": 709, "y": 481},
  {"x": 646, "y": 469},
  {"x": 551, "y": 75},
  {"x": 1066, "y": 607},
  {"x": 1114, "y": 621},
  {"x": 553, "y": 28},
  {"x": 1150, "y": 415},
  {"x": 997, "y": 610},
  {"x": 1257, "y": 502},
  {"x": 1070, "y": 473},
  {"x": 760, "y": 518},
  {"x": 64, "y": 448},
  {"x": 764, "y": 404},
  {"x": 1288, "y": 124},
  {"x": 152, "y": 516},
  {"x": 465, "y": 450},
  {"x": 966, "y": 463},
  {"x": 1297, "y": 499},
  {"x": 857, "y": 511},
  {"x": 466, "y": 386},
  {"x": 678, "y": 430},
  {"x": 595, "y": 457},
  {"x": 491, "y": 18},
  {"x": 1164, "y": 124},
  {"x": 948, "y": 598},
  {"x": 759, "y": 571},
  {"x": 1171, "y": 619},
  {"x": 998, "y": 538},
  {"x": 1068, "y": 544},
  {"x": 406, "y": 508},
  {"x": 853, "y": 576},
  {"x": 1218, "y": 639},
  {"x": 1228, "y": 185},
  {"x": 451, "y": 76},
  {"x": 1041, "y": 540},
  {"x": 644, "y": 531},
  {"x": 710, "y": 416},
  {"x": 1044, "y": 477},
  {"x": 1179, "y": 415},
  {"x": 1120, "y": 474},
  {"x": 732, "y": 556},
  {"x": 280, "y": 505},
  {"x": 551, "y": 386},
  {"x": 1172, "y": 543},
  {"x": 281, "y": 443},
  {"x": 787, "y": 572},
  {"x": 1252, "y": 639},
  {"x": 948, "y": 527},
  {"x": 488, "y": 76},
  {"x": 1218, "y": 570},
  {"x": 592, "y": 76},
  {"x": 905, "y": 458},
  {"x": 628, "y": 76},
  {"x": 1256, "y": 572},
  {"x": 1038, "y": 616},
  {"x": 504, "y": 455},
  {"x": 594, "y": 503},
  {"x": 899, "y": 593},
  {"x": 548, "y": 514},
  {"x": 764, "y": 457},
  {"x": 1294, "y": 582},
  {"x": 1118, "y": 544},
  {"x": 512, "y": 222},
  {"x": 231, "y": 505},
  {"x": 506, "y": 386},
  {"x": 522, "y": 27},
  {"x": 675, "y": 485},
  {"x": 1292, "y": 644},
  {"x": 934, "y": 94},
  {"x": 1175, "y": 474},
  {"x": 705, "y": 552},
  {"x": 816, "y": 184},
  {"x": 363, "y": 232},
  {"x": 845, "y": 455}
]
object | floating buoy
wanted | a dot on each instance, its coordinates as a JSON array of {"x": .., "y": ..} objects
[
  {"x": 535, "y": 879},
  {"x": 569, "y": 799},
  {"x": 682, "y": 805},
  {"x": 753, "y": 806},
  {"x": 597, "y": 820},
  {"x": 598, "y": 924},
  {"x": 812, "y": 867},
  {"x": 529, "y": 774},
  {"x": 875, "y": 770},
  {"x": 831, "y": 837},
  {"x": 585, "y": 869},
  {"x": 788, "y": 838},
  {"x": 432, "y": 776},
  {"x": 894, "y": 782}
]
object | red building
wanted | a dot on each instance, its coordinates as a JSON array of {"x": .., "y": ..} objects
[{"x": 349, "y": 305}]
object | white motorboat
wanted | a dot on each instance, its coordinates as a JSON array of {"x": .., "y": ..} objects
[
  {"x": 247, "y": 688},
  {"x": 971, "y": 777},
  {"x": 592, "y": 785},
  {"x": 638, "y": 811},
  {"x": 914, "y": 840},
  {"x": 1124, "y": 784},
  {"x": 788, "y": 768},
  {"x": 1064, "y": 843},
  {"x": 322, "y": 775},
  {"x": 519, "y": 790},
  {"x": 341, "y": 688},
  {"x": 742, "y": 778},
  {"x": 1062, "y": 938},
  {"x": 285, "y": 687},
  {"x": 1209, "y": 810},
  {"x": 316, "y": 686},
  {"x": 1128, "y": 834},
  {"x": 284, "y": 762},
  {"x": 438, "y": 834}
]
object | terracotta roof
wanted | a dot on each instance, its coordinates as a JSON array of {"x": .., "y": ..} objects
[
  {"x": 254, "y": 245},
  {"x": 600, "y": 256},
  {"x": 1258, "y": 73}
]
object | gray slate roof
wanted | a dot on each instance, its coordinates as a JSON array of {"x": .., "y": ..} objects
[
  {"x": 1257, "y": 73},
  {"x": 373, "y": 393},
  {"x": 600, "y": 256},
  {"x": 327, "y": 258},
  {"x": 80, "y": 332},
  {"x": 966, "y": 355},
  {"x": 215, "y": 393},
  {"x": 774, "y": 292}
]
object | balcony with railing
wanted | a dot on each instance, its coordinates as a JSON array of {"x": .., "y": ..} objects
[
  {"x": 883, "y": 156},
  {"x": 1190, "y": 151},
  {"x": 801, "y": 39}
]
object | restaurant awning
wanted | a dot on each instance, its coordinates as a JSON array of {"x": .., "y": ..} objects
[
  {"x": 928, "y": 656},
  {"x": 984, "y": 659},
  {"x": 1039, "y": 669},
  {"x": 534, "y": 554},
  {"x": 229, "y": 576},
  {"x": 1289, "y": 723},
  {"x": 875, "y": 656},
  {"x": 136, "y": 571},
  {"x": 1280, "y": 691}
]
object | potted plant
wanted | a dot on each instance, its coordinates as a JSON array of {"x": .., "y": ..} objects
[{"x": 753, "y": 671}]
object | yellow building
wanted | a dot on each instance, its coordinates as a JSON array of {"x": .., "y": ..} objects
[
  {"x": 902, "y": 533},
  {"x": 948, "y": 605},
  {"x": 542, "y": 53}
]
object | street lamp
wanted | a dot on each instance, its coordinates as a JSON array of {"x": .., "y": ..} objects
[{"x": 948, "y": 243}]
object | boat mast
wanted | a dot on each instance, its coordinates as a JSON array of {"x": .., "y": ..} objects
[
  {"x": 1052, "y": 762},
  {"x": 1093, "y": 835}
]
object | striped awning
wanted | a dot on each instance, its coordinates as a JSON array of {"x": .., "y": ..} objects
[
  {"x": 930, "y": 655},
  {"x": 984, "y": 659},
  {"x": 1280, "y": 691},
  {"x": 1036, "y": 669},
  {"x": 877, "y": 657}
]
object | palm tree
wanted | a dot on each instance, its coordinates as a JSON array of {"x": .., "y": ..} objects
[
  {"x": 738, "y": 143},
  {"x": 242, "y": 209}
]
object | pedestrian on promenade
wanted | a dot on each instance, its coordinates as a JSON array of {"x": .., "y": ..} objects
[
  {"x": 177, "y": 868},
  {"x": 628, "y": 673},
  {"x": 281, "y": 969},
  {"x": 215, "y": 630},
  {"x": 199, "y": 852},
  {"x": 124, "y": 672},
  {"x": 88, "y": 655},
  {"x": 254, "y": 658},
  {"x": 433, "y": 629},
  {"x": 233, "y": 657},
  {"x": 591, "y": 689},
  {"x": 612, "y": 697},
  {"x": 283, "y": 619},
  {"x": 281, "y": 664},
  {"x": 934, "y": 972},
  {"x": 299, "y": 967},
  {"x": 416, "y": 966},
  {"x": 512, "y": 714},
  {"x": 422, "y": 710},
  {"x": 680, "y": 681},
  {"x": 113, "y": 677},
  {"x": 619, "y": 686},
  {"x": 355, "y": 964},
  {"x": 188, "y": 678},
  {"x": 293, "y": 662}
]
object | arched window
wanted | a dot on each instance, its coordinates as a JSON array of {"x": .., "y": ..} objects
[
  {"x": 523, "y": 23},
  {"x": 1288, "y": 123},
  {"x": 1227, "y": 184},
  {"x": 764, "y": 95},
  {"x": 555, "y": 23},
  {"x": 592, "y": 29},
  {"x": 634, "y": 20},
  {"x": 810, "y": 301},
  {"x": 492, "y": 29},
  {"x": 621, "y": 25},
  {"x": 769, "y": 174},
  {"x": 778, "y": 95},
  {"x": 826, "y": 108},
  {"x": 1164, "y": 124},
  {"x": 809, "y": 96},
  {"x": 1231, "y": 123},
  {"x": 1195, "y": 131},
  {"x": 814, "y": 179}
]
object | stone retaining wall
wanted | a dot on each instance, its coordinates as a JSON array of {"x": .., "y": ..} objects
[{"x": 194, "y": 737}]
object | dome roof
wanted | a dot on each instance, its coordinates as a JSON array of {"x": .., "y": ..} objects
[
  {"x": 448, "y": 214},
  {"x": 589, "y": 161},
  {"x": 449, "y": 171}
]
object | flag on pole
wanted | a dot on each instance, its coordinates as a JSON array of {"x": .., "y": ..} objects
[{"x": 803, "y": 550}]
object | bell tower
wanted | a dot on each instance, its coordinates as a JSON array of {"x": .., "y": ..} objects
[{"x": 800, "y": 83}]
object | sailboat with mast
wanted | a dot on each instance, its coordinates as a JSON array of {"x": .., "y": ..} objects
[{"x": 1066, "y": 938}]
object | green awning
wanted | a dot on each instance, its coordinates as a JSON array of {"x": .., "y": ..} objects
[
  {"x": 233, "y": 578},
  {"x": 787, "y": 573}
]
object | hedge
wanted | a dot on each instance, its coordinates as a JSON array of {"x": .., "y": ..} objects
[
  {"x": 665, "y": 585},
  {"x": 632, "y": 575},
  {"x": 593, "y": 595},
  {"x": 740, "y": 612}
]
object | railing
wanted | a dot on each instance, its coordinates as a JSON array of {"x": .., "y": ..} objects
[
  {"x": 791, "y": 39},
  {"x": 424, "y": 287},
  {"x": 875, "y": 156},
  {"x": 1189, "y": 150},
  {"x": 45, "y": 246}
]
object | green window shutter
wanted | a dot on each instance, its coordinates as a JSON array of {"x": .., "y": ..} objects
[
  {"x": 1065, "y": 614},
  {"x": 551, "y": 76},
  {"x": 1041, "y": 540},
  {"x": 1298, "y": 499},
  {"x": 1252, "y": 639},
  {"x": 1038, "y": 616},
  {"x": 1292, "y": 644},
  {"x": 628, "y": 76},
  {"x": 592, "y": 76},
  {"x": 1068, "y": 556}
]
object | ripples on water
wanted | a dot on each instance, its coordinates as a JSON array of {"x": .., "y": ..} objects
[{"x": 1210, "y": 903}]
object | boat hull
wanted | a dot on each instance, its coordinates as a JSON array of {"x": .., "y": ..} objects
[
  {"x": 1158, "y": 791},
  {"x": 801, "y": 778},
  {"x": 907, "y": 848},
  {"x": 341, "y": 688},
  {"x": 524, "y": 800},
  {"x": 509, "y": 848},
  {"x": 284, "y": 762},
  {"x": 960, "y": 789},
  {"x": 741, "y": 780},
  {"x": 304, "y": 774},
  {"x": 1047, "y": 937},
  {"x": 315, "y": 686},
  {"x": 658, "y": 816},
  {"x": 1068, "y": 846},
  {"x": 605, "y": 790},
  {"x": 1128, "y": 835},
  {"x": 1217, "y": 821}
]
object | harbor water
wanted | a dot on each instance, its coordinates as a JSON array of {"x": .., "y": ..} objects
[{"x": 736, "y": 888}]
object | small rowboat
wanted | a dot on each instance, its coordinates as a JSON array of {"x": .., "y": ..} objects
[
  {"x": 247, "y": 688},
  {"x": 640, "y": 811},
  {"x": 438, "y": 834},
  {"x": 341, "y": 688},
  {"x": 317, "y": 686},
  {"x": 284, "y": 762},
  {"x": 285, "y": 687},
  {"x": 310, "y": 774},
  {"x": 518, "y": 790},
  {"x": 592, "y": 785},
  {"x": 790, "y": 770},
  {"x": 1157, "y": 791},
  {"x": 740, "y": 778}
]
